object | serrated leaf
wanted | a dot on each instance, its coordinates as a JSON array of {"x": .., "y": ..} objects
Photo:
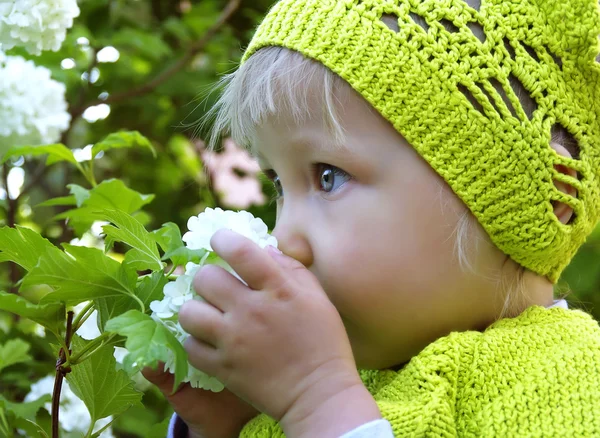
[
  {"x": 104, "y": 389},
  {"x": 125, "y": 139},
  {"x": 25, "y": 410},
  {"x": 150, "y": 288},
  {"x": 148, "y": 342},
  {"x": 168, "y": 236},
  {"x": 14, "y": 351},
  {"x": 130, "y": 231},
  {"x": 55, "y": 152},
  {"x": 86, "y": 274},
  {"x": 169, "y": 239},
  {"x": 51, "y": 316},
  {"x": 22, "y": 246},
  {"x": 110, "y": 194}
]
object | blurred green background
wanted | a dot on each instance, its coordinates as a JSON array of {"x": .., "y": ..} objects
[{"x": 146, "y": 65}]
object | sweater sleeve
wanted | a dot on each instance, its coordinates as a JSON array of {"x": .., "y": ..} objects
[
  {"x": 373, "y": 429},
  {"x": 177, "y": 428}
]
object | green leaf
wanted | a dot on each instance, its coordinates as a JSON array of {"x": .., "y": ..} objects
[
  {"x": 25, "y": 410},
  {"x": 140, "y": 42},
  {"x": 62, "y": 200},
  {"x": 160, "y": 430},
  {"x": 56, "y": 153},
  {"x": 85, "y": 274},
  {"x": 113, "y": 194},
  {"x": 168, "y": 236},
  {"x": 81, "y": 194},
  {"x": 148, "y": 342},
  {"x": 130, "y": 231},
  {"x": 125, "y": 139},
  {"x": 22, "y": 246},
  {"x": 110, "y": 194},
  {"x": 169, "y": 239},
  {"x": 149, "y": 289},
  {"x": 104, "y": 390},
  {"x": 31, "y": 428},
  {"x": 14, "y": 351},
  {"x": 51, "y": 316}
]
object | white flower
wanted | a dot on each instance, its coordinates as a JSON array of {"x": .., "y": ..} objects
[
  {"x": 176, "y": 293},
  {"x": 33, "y": 109},
  {"x": 36, "y": 25},
  {"x": 162, "y": 309},
  {"x": 74, "y": 414},
  {"x": 203, "y": 226}
]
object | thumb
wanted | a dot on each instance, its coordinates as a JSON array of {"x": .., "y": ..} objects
[
  {"x": 163, "y": 380},
  {"x": 291, "y": 265}
]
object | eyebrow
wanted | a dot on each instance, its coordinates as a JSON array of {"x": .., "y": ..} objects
[{"x": 329, "y": 148}]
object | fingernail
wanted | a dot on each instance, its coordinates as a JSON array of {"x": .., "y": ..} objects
[{"x": 273, "y": 250}]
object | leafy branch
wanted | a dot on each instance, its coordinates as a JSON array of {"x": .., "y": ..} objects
[
  {"x": 60, "y": 375},
  {"x": 165, "y": 75}
]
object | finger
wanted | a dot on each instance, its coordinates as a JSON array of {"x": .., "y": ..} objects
[
  {"x": 202, "y": 321},
  {"x": 203, "y": 356},
  {"x": 218, "y": 287},
  {"x": 184, "y": 400},
  {"x": 163, "y": 380},
  {"x": 252, "y": 263}
]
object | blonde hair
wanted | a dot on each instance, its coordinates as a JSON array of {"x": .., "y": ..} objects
[{"x": 268, "y": 83}]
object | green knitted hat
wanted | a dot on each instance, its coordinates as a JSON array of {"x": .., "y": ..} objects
[{"x": 436, "y": 77}]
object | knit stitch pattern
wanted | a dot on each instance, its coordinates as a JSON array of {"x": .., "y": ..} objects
[
  {"x": 434, "y": 80},
  {"x": 534, "y": 375}
]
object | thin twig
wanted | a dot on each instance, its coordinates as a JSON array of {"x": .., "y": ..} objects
[
  {"x": 11, "y": 219},
  {"x": 60, "y": 375},
  {"x": 40, "y": 171},
  {"x": 194, "y": 49}
]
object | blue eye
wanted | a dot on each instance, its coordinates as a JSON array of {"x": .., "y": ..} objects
[
  {"x": 329, "y": 178},
  {"x": 329, "y": 175}
]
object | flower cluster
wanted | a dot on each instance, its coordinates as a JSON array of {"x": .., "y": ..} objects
[
  {"x": 75, "y": 416},
  {"x": 36, "y": 25},
  {"x": 202, "y": 228},
  {"x": 33, "y": 108}
]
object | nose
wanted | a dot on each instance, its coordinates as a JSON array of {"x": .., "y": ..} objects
[{"x": 292, "y": 238}]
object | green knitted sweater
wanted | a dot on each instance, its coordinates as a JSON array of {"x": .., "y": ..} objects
[{"x": 534, "y": 375}]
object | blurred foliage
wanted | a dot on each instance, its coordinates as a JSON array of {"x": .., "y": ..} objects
[
  {"x": 170, "y": 54},
  {"x": 165, "y": 65}
]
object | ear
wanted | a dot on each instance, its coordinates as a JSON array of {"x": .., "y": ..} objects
[{"x": 563, "y": 211}]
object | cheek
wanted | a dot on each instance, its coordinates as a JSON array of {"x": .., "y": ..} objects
[{"x": 388, "y": 266}]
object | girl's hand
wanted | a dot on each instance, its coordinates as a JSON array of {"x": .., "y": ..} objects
[
  {"x": 207, "y": 414},
  {"x": 278, "y": 343}
]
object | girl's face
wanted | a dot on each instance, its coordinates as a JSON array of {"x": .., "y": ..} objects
[{"x": 374, "y": 222}]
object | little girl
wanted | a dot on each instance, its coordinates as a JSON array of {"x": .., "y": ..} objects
[{"x": 437, "y": 164}]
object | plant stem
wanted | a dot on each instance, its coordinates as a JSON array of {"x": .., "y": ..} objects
[
  {"x": 82, "y": 317},
  {"x": 106, "y": 426},
  {"x": 60, "y": 375},
  {"x": 65, "y": 349},
  {"x": 91, "y": 428},
  {"x": 172, "y": 270},
  {"x": 142, "y": 306},
  {"x": 82, "y": 358},
  {"x": 5, "y": 427},
  {"x": 94, "y": 345}
]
